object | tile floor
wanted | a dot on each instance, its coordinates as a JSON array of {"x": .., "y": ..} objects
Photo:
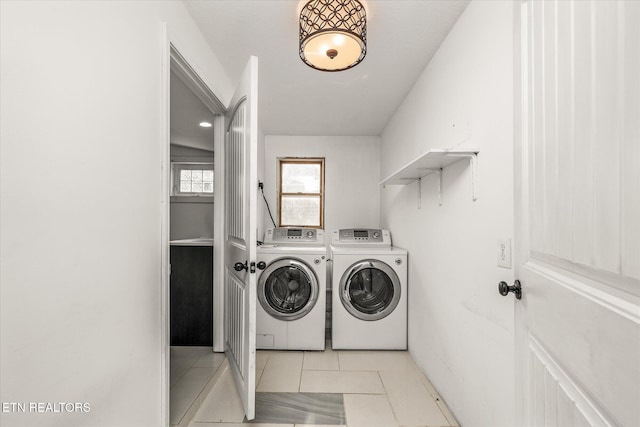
[
  {"x": 191, "y": 370},
  {"x": 380, "y": 388}
]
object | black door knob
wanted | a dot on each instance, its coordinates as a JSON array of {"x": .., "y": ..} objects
[
  {"x": 262, "y": 265},
  {"x": 238, "y": 266},
  {"x": 504, "y": 289}
]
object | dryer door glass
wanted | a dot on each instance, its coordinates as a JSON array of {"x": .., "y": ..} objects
[
  {"x": 370, "y": 290},
  {"x": 288, "y": 289}
]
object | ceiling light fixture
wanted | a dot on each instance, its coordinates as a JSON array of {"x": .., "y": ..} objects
[
  {"x": 205, "y": 124},
  {"x": 333, "y": 34}
]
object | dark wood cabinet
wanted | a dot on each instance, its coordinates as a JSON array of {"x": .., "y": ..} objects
[{"x": 191, "y": 304}]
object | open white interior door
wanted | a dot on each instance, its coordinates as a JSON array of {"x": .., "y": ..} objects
[
  {"x": 578, "y": 214},
  {"x": 241, "y": 159}
]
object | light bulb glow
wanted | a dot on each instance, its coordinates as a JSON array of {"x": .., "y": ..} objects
[
  {"x": 316, "y": 48},
  {"x": 205, "y": 124}
]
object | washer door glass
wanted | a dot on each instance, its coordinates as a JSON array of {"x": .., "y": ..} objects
[
  {"x": 370, "y": 290},
  {"x": 288, "y": 289}
]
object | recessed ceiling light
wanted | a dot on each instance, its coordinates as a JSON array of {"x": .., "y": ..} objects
[{"x": 205, "y": 124}]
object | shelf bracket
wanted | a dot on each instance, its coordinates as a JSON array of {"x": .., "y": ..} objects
[
  {"x": 419, "y": 193},
  {"x": 474, "y": 176},
  {"x": 439, "y": 171},
  {"x": 473, "y": 160}
]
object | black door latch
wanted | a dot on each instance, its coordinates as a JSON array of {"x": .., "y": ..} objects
[
  {"x": 504, "y": 289},
  {"x": 238, "y": 266}
]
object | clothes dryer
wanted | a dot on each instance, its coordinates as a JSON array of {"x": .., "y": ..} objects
[
  {"x": 290, "y": 314},
  {"x": 369, "y": 291}
]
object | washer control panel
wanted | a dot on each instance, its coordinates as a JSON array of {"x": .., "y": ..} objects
[
  {"x": 361, "y": 236},
  {"x": 294, "y": 235}
]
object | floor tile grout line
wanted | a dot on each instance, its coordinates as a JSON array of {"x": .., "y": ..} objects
[
  {"x": 386, "y": 395},
  {"x": 189, "y": 415},
  {"x": 263, "y": 368},
  {"x": 378, "y": 373},
  {"x": 186, "y": 371},
  {"x": 424, "y": 379},
  {"x": 268, "y": 355},
  {"x": 181, "y": 376},
  {"x": 304, "y": 353}
]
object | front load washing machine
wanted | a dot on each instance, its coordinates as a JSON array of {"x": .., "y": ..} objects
[
  {"x": 369, "y": 287},
  {"x": 290, "y": 313}
]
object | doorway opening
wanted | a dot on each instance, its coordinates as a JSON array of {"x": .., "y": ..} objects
[{"x": 192, "y": 288}]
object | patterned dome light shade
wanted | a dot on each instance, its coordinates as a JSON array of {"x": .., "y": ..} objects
[{"x": 333, "y": 34}]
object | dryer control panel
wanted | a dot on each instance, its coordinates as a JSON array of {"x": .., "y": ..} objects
[
  {"x": 294, "y": 236},
  {"x": 371, "y": 237}
]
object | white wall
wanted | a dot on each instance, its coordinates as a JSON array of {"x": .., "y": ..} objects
[
  {"x": 460, "y": 328},
  {"x": 80, "y": 199},
  {"x": 191, "y": 219},
  {"x": 261, "y": 208},
  {"x": 352, "y": 167}
]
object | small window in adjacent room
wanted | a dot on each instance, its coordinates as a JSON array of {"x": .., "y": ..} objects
[
  {"x": 192, "y": 179},
  {"x": 301, "y": 192}
]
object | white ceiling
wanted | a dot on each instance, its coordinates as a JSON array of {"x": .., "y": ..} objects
[
  {"x": 187, "y": 111},
  {"x": 402, "y": 36}
]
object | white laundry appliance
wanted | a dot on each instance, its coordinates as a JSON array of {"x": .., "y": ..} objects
[
  {"x": 369, "y": 287},
  {"x": 290, "y": 313}
]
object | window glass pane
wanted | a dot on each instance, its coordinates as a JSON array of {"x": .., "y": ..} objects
[
  {"x": 303, "y": 211},
  {"x": 300, "y": 178},
  {"x": 192, "y": 178}
]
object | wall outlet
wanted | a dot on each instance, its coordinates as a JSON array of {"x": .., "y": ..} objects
[{"x": 504, "y": 253}]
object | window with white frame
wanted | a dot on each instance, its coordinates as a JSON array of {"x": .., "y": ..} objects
[
  {"x": 301, "y": 192},
  {"x": 192, "y": 179}
]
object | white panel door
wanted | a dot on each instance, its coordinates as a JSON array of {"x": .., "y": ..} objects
[
  {"x": 241, "y": 160},
  {"x": 577, "y": 175}
]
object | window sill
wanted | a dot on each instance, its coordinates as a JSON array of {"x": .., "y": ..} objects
[{"x": 191, "y": 199}]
